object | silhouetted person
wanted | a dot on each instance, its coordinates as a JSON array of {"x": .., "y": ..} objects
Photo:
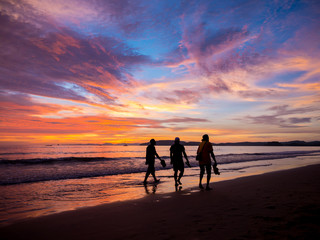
[
  {"x": 206, "y": 150},
  {"x": 176, "y": 151},
  {"x": 150, "y": 159}
]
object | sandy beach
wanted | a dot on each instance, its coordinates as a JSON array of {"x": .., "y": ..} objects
[{"x": 277, "y": 205}]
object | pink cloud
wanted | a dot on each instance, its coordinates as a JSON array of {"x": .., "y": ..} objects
[
  {"x": 281, "y": 118},
  {"x": 40, "y": 63}
]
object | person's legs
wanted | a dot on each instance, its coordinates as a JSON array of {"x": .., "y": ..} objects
[
  {"x": 180, "y": 174},
  {"x": 175, "y": 173},
  {"x": 153, "y": 173},
  {"x": 154, "y": 176},
  {"x": 201, "y": 176},
  {"x": 147, "y": 175},
  {"x": 151, "y": 170},
  {"x": 175, "y": 176},
  {"x": 208, "y": 168}
]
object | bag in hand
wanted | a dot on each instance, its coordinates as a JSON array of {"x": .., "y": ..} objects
[{"x": 216, "y": 170}]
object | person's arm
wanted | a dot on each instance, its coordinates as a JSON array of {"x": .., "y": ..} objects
[
  {"x": 147, "y": 156},
  {"x": 214, "y": 158},
  {"x": 198, "y": 149},
  {"x": 157, "y": 155},
  {"x": 171, "y": 156},
  {"x": 186, "y": 157}
]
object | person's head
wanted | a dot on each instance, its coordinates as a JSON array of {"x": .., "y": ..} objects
[
  {"x": 153, "y": 142},
  {"x": 205, "y": 137},
  {"x": 176, "y": 140}
]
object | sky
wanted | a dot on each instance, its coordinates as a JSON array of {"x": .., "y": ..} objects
[{"x": 121, "y": 71}]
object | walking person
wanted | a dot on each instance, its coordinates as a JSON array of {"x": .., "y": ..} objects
[
  {"x": 176, "y": 151},
  {"x": 151, "y": 153},
  {"x": 204, "y": 152}
]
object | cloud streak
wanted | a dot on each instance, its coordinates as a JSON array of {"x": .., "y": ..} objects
[
  {"x": 280, "y": 117},
  {"x": 48, "y": 63},
  {"x": 140, "y": 69}
]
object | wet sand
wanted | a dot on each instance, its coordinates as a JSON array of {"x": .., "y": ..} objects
[{"x": 277, "y": 205}]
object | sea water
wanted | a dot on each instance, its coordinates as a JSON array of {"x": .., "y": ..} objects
[{"x": 41, "y": 180}]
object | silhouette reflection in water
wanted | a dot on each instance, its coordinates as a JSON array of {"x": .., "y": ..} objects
[{"x": 151, "y": 189}]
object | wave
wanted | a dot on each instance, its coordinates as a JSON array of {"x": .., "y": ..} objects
[
  {"x": 39, "y": 170},
  {"x": 64, "y": 176},
  {"x": 62, "y": 160},
  {"x": 244, "y": 167},
  {"x": 223, "y": 158},
  {"x": 66, "y": 153},
  {"x": 247, "y": 157}
]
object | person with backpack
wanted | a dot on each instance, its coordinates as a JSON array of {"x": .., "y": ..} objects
[{"x": 204, "y": 152}]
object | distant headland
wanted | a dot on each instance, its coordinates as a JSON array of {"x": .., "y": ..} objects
[
  {"x": 170, "y": 142},
  {"x": 273, "y": 143}
]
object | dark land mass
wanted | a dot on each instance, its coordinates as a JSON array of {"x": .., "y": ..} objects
[
  {"x": 273, "y": 143},
  {"x": 170, "y": 142}
]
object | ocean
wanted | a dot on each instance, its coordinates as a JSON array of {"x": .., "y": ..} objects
[{"x": 39, "y": 180}]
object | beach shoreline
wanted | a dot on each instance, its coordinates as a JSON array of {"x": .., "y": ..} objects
[{"x": 282, "y": 204}]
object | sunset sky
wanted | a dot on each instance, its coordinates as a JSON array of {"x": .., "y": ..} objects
[{"x": 78, "y": 71}]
